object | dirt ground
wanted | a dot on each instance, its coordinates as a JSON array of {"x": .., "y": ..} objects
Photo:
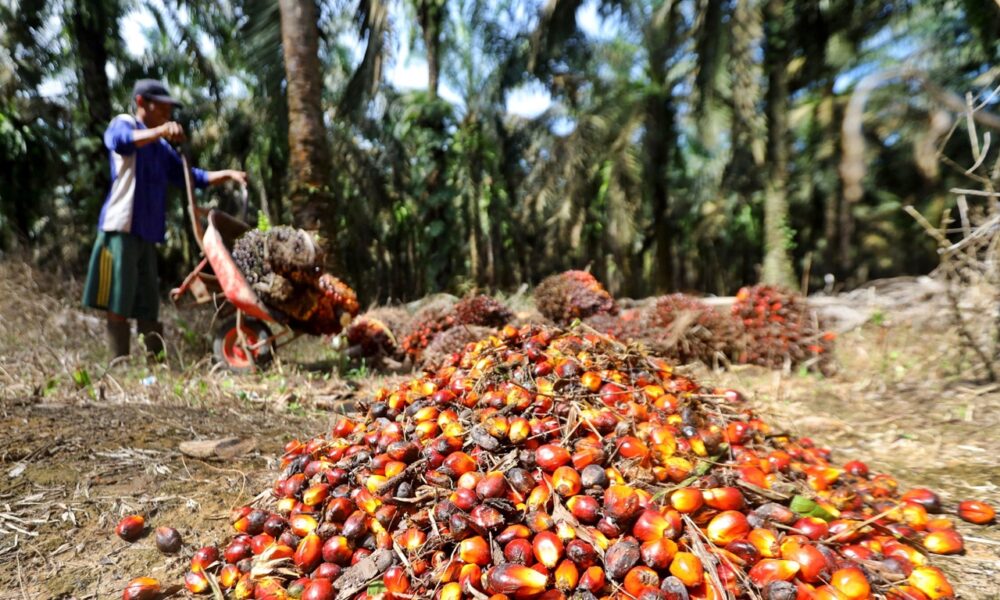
[{"x": 83, "y": 446}]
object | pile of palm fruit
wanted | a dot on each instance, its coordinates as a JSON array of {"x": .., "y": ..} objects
[
  {"x": 284, "y": 267},
  {"x": 550, "y": 464}
]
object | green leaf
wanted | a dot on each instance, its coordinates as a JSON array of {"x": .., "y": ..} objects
[
  {"x": 81, "y": 377},
  {"x": 376, "y": 589},
  {"x": 263, "y": 223},
  {"x": 806, "y": 507}
]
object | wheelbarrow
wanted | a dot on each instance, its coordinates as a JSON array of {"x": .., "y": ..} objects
[{"x": 245, "y": 340}]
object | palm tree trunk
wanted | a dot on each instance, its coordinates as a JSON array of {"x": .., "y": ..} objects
[
  {"x": 777, "y": 265},
  {"x": 309, "y": 154},
  {"x": 431, "y": 14},
  {"x": 91, "y": 23}
]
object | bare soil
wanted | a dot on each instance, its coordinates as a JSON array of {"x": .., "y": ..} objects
[{"x": 83, "y": 445}]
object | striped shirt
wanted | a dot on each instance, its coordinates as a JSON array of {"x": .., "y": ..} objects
[{"x": 139, "y": 176}]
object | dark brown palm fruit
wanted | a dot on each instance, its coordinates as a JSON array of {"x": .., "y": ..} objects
[
  {"x": 572, "y": 295},
  {"x": 452, "y": 341},
  {"x": 168, "y": 541},
  {"x": 482, "y": 310}
]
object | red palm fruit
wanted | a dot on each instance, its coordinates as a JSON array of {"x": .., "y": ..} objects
[
  {"x": 932, "y": 582},
  {"x": 812, "y": 563},
  {"x": 633, "y": 448},
  {"x": 457, "y": 463},
  {"x": 857, "y": 553},
  {"x": 195, "y": 582},
  {"x": 652, "y": 525},
  {"x": 566, "y": 481},
  {"x": 470, "y": 480},
  {"x": 940, "y": 524},
  {"x": 260, "y": 542},
  {"x": 548, "y": 549},
  {"x": 976, "y": 512},
  {"x": 302, "y": 525},
  {"x": 396, "y": 580},
  {"x": 742, "y": 552},
  {"x": 450, "y": 591},
  {"x": 924, "y": 497},
  {"x": 856, "y": 467},
  {"x": 309, "y": 553},
  {"x": 487, "y": 518},
  {"x": 464, "y": 498},
  {"x": 845, "y": 531},
  {"x": 584, "y": 508},
  {"x": 582, "y": 553},
  {"x": 338, "y": 509},
  {"x": 769, "y": 570},
  {"x": 331, "y": 572},
  {"x": 356, "y": 525},
  {"x": 723, "y": 498},
  {"x": 658, "y": 554},
  {"x": 765, "y": 541},
  {"x": 812, "y": 527},
  {"x": 519, "y": 430},
  {"x": 141, "y": 588},
  {"x": 337, "y": 550},
  {"x": 470, "y": 576},
  {"x": 567, "y": 575},
  {"x": 539, "y": 498},
  {"x": 515, "y": 580},
  {"x": 591, "y": 381},
  {"x": 946, "y": 541},
  {"x": 687, "y": 500},
  {"x": 728, "y": 526},
  {"x": 412, "y": 539},
  {"x": 587, "y": 456},
  {"x": 275, "y": 525},
  {"x": 621, "y": 502},
  {"x": 237, "y": 550},
  {"x": 551, "y": 456},
  {"x": 639, "y": 578},
  {"x": 494, "y": 485},
  {"x": 204, "y": 558},
  {"x": 228, "y": 576},
  {"x": 772, "y": 511},
  {"x": 130, "y": 527},
  {"x": 621, "y": 557},
  {"x": 851, "y": 583},
  {"x": 319, "y": 589},
  {"x": 592, "y": 580},
  {"x": 905, "y": 592},
  {"x": 519, "y": 551},
  {"x": 474, "y": 550},
  {"x": 539, "y": 521},
  {"x": 688, "y": 568},
  {"x": 512, "y": 532}
]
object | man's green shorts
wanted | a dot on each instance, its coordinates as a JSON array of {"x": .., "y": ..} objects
[{"x": 122, "y": 276}]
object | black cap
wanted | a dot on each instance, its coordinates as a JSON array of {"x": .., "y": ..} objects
[{"x": 153, "y": 90}]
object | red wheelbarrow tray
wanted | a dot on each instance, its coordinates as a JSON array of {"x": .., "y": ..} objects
[{"x": 223, "y": 231}]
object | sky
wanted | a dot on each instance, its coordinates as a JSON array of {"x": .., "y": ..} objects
[{"x": 407, "y": 71}]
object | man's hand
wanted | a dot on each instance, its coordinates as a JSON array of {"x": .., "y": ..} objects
[
  {"x": 217, "y": 177},
  {"x": 171, "y": 131}
]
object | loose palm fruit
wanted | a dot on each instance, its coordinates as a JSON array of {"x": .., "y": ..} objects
[
  {"x": 621, "y": 502},
  {"x": 195, "y": 582},
  {"x": 474, "y": 550},
  {"x": 932, "y": 582},
  {"x": 947, "y": 541},
  {"x": 515, "y": 580},
  {"x": 131, "y": 527},
  {"x": 319, "y": 589},
  {"x": 687, "y": 500},
  {"x": 548, "y": 549},
  {"x": 924, "y": 497},
  {"x": 687, "y": 568},
  {"x": 551, "y": 456},
  {"x": 728, "y": 526},
  {"x": 168, "y": 541},
  {"x": 141, "y": 588},
  {"x": 639, "y": 578},
  {"x": 567, "y": 575},
  {"x": 723, "y": 498},
  {"x": 228, "y": 576},
  {"x": 975, "y": 511},
  {"x": 620, "y": 558},
  {"x": 851, "y": 583},
  {"x": 204, "y": 558},
  {"x": 770, "y": 570},
  {"x": 566, "y": 481},
  {"x": 593, "y": 580},
  {"x": 309, "y": 553}
]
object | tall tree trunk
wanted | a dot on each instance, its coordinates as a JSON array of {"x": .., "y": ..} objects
[
  {"x": 431, "y": 13},
  {"x": 92, "y": 22},
  {"x": 777, "y": 264},
  {"x": 309, "y": 158}
]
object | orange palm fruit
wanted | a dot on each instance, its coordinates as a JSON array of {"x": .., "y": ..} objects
[
  {"x": 688, "y": 568},
  {"x": 932, "y": 582},
  {"x": 851, "y": 583},
  {"x": 728, "y": 526}
]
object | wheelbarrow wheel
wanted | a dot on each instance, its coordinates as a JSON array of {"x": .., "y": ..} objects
[{"x": 238, "y": 358}]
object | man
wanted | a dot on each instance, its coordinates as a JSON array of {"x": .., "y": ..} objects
[{"x": 122, "y": 279}]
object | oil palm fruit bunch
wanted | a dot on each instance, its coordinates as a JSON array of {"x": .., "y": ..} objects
[
  {"x": 482, "y": 310},
  {"x": 779, "y": 329},
  {"x": 698, "y": 331},
  {"x": 572, "y": 295},
  {"x": 542, "y": 464},
  {"x": 427, "y": 323},
  {"x": 336, "y": 306},
  {"x": 451, "y": 342}
]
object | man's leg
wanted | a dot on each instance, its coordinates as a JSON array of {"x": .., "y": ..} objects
[
  {"x": 147, "y": 300},
  {"x": 152, "y": 336},
  {"x": 119, "y": 334}
]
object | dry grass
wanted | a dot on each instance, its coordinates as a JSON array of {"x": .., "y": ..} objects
[{"x": 76, "y": 456}]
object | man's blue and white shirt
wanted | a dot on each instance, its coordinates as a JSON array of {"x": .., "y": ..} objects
[{"x": 139, "y": 176}]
